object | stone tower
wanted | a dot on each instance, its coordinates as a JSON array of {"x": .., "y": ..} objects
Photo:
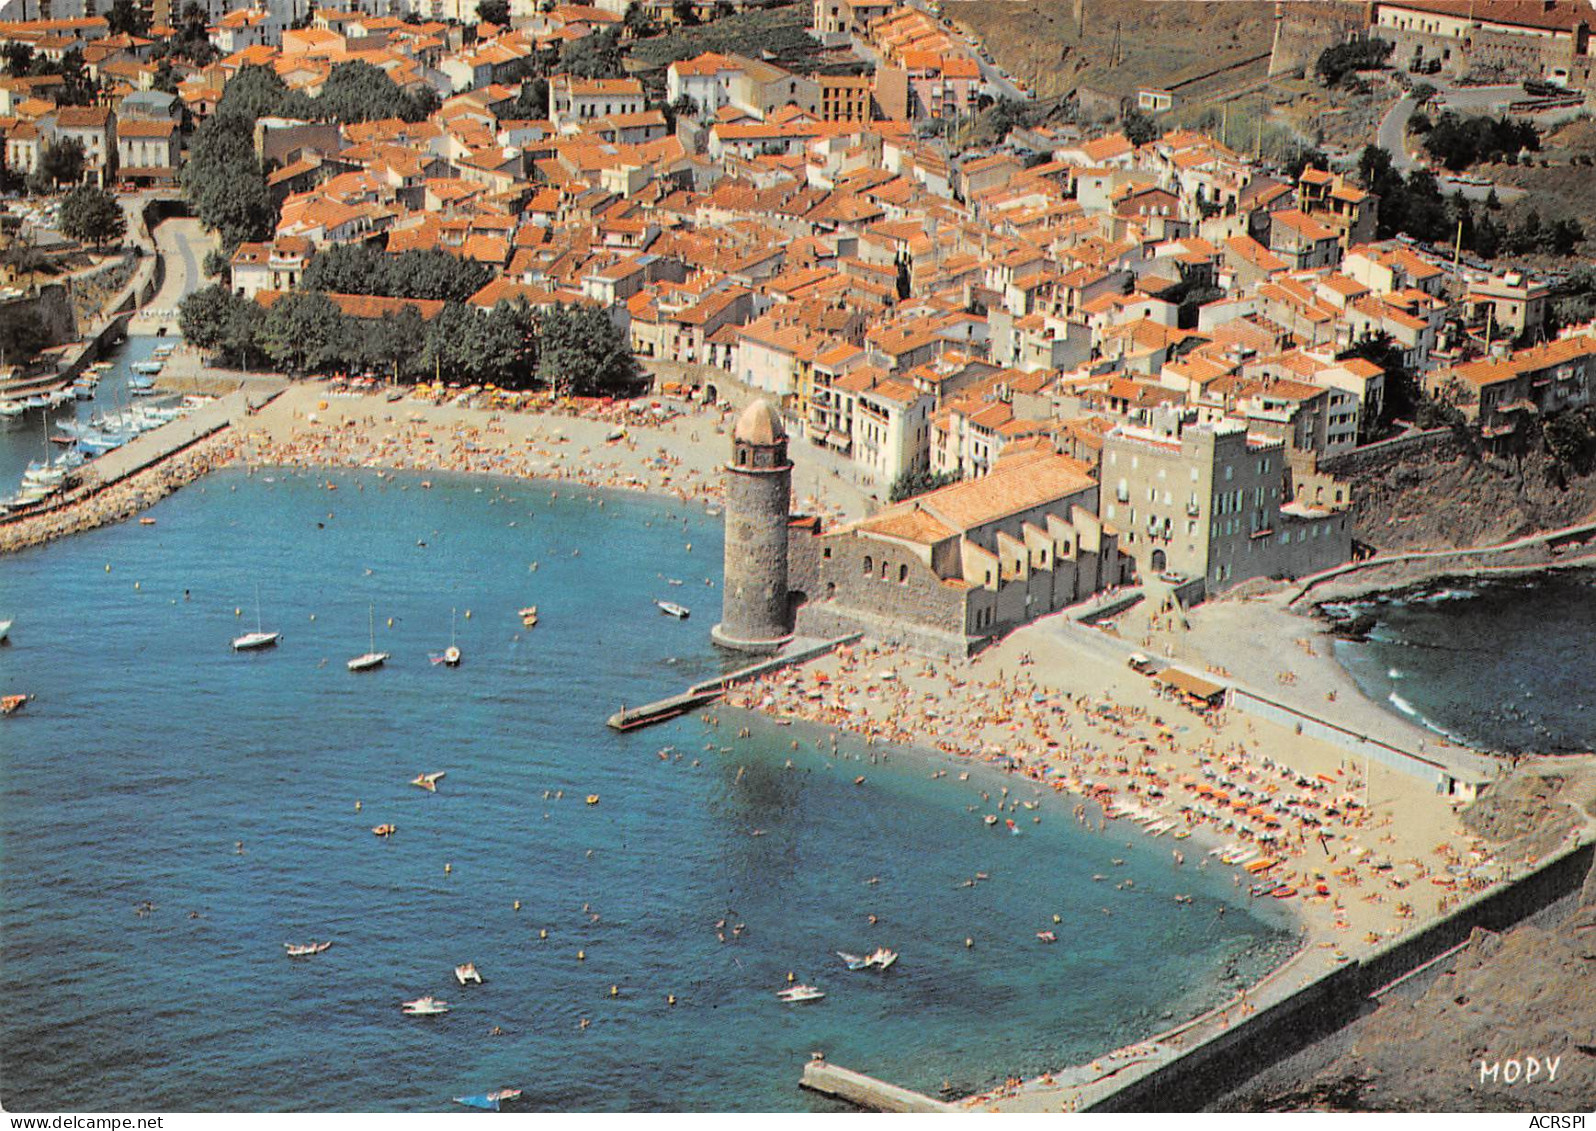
[{"x": 754, "y": 598}]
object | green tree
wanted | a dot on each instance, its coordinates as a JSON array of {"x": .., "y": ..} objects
[
  {"x": 509, "y": 346},
  {"x": 595, "y": 56},
  {"x": 361, "y": 269},
  {"x": 912, "y": 483},
  {"x": 92, "y": 215},
  {"x": 217, "y": 264},
  {"x": 1006, "y": 114},
  {"x": 224, "y": 182},
  {"x": 1341, "y": 62},
  {"x": 494, "y": 12},
  {"x": 392, "y": 345},
  {"x": 61, "y": 163},
  {"x": 305, "y": 332},
  {"x": 215, "y": 319},
  {"x": 581, "y": 352},
  {"x": 532, "y": 100},
  {"x": 686, "y": 12},
  {"x": 22, "y": 334},
  {"x": 356, "y": 91},
  {"x": 1563, "y": 236},
  {"x": 126, "y": 17},
  {"x": 18, "y": 58},
  {"x": 1138, "y": 128},
  {"x": 637, "y": 22},
  {"x": 454, "y": 344}
]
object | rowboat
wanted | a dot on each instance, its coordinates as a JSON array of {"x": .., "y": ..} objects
[
  {"x": 305, "y": 950},
  {"x": 11, "y": 704}
]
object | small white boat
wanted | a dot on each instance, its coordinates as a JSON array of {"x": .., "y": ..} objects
[
  {"x": 373, "y": 658},
  {"x": 12, "y": 408},
  {"x": 425, "y": 1006},
  {"x": 794, "y": 994},
  {"x": 305, "y": 950},
  {"x": 252, "y": 641},
  {"x": 672, "y": 609},
  {"x": 146, "y": 368},
  {"x": 450, "y": 656},
  {"x": 467, "y": 972},
  {"x": 428, "y": 782},
  {"x": 5, "y": 629}
]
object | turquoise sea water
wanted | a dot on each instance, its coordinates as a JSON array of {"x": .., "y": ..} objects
[{"x": 151, "y": 749}]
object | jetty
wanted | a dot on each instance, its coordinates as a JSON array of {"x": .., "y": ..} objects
[
  {"x": 801, "y": 650},
  {"x": 866, "y": 1091}
]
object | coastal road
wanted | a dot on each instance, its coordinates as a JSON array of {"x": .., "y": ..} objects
[{"x": 184, "y": 244}]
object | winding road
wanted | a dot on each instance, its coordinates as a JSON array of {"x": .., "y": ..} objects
[{"x": 1392, "y": 134}]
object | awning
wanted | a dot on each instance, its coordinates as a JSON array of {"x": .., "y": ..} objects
[{"x": 1193, "y": 685}]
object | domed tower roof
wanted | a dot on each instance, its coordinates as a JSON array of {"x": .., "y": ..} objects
[{"x": 759, "y": 424}]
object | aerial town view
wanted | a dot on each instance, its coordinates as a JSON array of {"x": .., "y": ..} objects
[{"x": 738, "y": 556}]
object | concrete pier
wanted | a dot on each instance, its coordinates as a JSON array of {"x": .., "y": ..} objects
[
  {"x": 866, "y": 1091},
  {"x": 800, "y": 651}
]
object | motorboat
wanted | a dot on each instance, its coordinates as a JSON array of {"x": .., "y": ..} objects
[
  {"x": 305, "y": 950},
  {"x": 147, "y": 368},
  {"x": 467, "y": 972},
  {"x": 529, "y": 616},
  {"x": 672, "y": 609},
  {"x": 11, "y": 704},
  {"x": 5, "y": 629},
  {"x": 372, "y": 659},
  {"x": 12, "y": 408},
  {"x": 385, "y": 830},
  {"x": 428, "y": 782},
  {"x": 1047, "y": 936},
  {"x": 426, "y": 1006},
  {"x": 792, "y": 995},
  {"x": 489, "y": 1101}
]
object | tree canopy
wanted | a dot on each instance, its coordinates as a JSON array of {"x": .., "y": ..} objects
[
  {"x": 1338, "y": 63},
  {"x": 580, "y": 351},
  {"x": 224, "y": 181},
  {"x": 361, "y": 269},
  {"x": 595, "y": 56},
  {"x": 494, "y": 12},
  {"x": 92, "y": 215},
  {"x": 356, "y": 91},
  {"x": 60, "y": 163},
  {"x": 126, "y": 17},
  {"x": 1459, "y": 142},
  {"x": 570, "y": 350}
]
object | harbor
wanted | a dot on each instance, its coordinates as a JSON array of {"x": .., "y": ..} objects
[{"x": 257, "y": 819}]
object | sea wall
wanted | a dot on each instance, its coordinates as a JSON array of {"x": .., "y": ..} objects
[
  {"x": 1445, "y": 780},
  {"x": 1281, "y": 1027}
]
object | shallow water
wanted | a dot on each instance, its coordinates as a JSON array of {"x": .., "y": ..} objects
[{"x": 151, "y": 749}]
